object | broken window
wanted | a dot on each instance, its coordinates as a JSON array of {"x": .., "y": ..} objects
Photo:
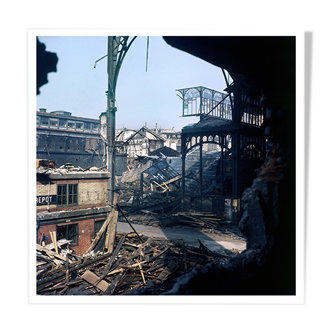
[
  {"x": 94, "y": 127},
  {"x": 69, "y": 232},
  {"x": 67, "y": 194}
]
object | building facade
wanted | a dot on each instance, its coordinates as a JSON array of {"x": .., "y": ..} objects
[
  {"x": 142, "y": 142},
  {"x": 69, "y": 139},
  {"x": 71, "y": 203},
  {"x": 172, "y": 138}
]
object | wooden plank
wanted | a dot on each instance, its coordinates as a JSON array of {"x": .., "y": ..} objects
[
  {"x": 101, "y": 232},
  {"x": 178, "y": 177},
  {"x": 111, "y": 288},
  {"x": 62, "y": 274},
  {"x": 53, "y": 238},
  {"x": 141, "y": 270},
  {"x": 111, "y": 228},
  {"x": 55, "y": 242},
  {"x": 94, "y": 280},
  {"x": 51, "y": 253},
  {"x": 112, "y": 259},
  {"x": 111, "y": 231}
]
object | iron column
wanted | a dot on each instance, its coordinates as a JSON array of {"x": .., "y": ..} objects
[{"x": 111, "y": 63}]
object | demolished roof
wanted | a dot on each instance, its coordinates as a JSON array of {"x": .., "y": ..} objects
[
  {"x": 165, "y": 151},
  {"x": 69, "y": 170},
  {"x": 143, "y": 132}
]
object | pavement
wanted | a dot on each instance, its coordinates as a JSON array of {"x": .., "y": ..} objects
[{"x": 213, "y": 241}]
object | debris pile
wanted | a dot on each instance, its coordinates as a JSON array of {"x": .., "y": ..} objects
[
  {"x": 137, "y": 262},
  {"x": 48, "y": 167},
  {"x": 152, "y": 184},
  {"x": 130, "y": 264}
]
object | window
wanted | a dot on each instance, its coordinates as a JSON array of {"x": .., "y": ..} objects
[
  {"x": 87, "y": 126},
  {"x": 67, "y": 194},
  {"x": 69, "y": 232},
  {"x": 44, "y": 121},
  {"x": 62, "y": 123},
  {"x": 79, "y": 125},
  {"x": 95, "y": 127},
  {"x": 97, "y": 226},
  {"x": 53, "y": 122},
  {"x": 38, "y": 121},
  {"x": 71, "y": 125}
]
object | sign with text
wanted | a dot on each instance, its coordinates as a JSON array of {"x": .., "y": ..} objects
[{"x": 48, "y": 199}]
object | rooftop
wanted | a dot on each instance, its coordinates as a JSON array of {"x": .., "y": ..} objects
[{"x": 71, "y": 172}]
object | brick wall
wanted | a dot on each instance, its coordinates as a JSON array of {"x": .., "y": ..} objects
[
  {"x": 90, "y": 193},
  {"x": 85, "y": 234}
]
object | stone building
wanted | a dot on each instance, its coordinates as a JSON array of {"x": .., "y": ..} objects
[
  {"x": 76, "y": 140},
  {"x": 69, "y": 139}
]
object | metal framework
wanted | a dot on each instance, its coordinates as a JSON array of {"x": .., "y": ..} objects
[
  {"x": 233, "y": 121},
  {"x": 116, "y": 50},
  {"x": 201, "y": 101}
]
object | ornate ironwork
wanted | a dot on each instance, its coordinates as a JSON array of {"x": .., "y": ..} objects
[
  {"x": 233, "y": 121},
  {"x": 199, "y": 101}
]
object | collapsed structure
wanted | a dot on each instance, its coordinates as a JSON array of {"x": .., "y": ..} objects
[{"x": 251, "y": 128}]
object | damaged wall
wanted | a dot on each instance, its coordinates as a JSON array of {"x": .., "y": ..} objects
[{"x": 76, "y": 221}]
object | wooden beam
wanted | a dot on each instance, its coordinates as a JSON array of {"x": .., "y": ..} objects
[
  {"x": 51, "y": 253},
  {"x": 101, "y": 232},
  {"x": 54, "y": 241},
  {"x": 111, "y": 228},
  {"x": 62, "y": 274},
  {"x": 111, "y": 231}
]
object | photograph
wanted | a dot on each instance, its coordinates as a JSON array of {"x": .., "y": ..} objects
[{"x": 165, "y": 165}]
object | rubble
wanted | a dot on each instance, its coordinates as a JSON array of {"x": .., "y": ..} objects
[
  {"x": 123, "y": 264},
  {"x": 43, "y": 168},
  {"x": 127, "y": 264},
  {"x": 134, "y": 265},
  {"x": 152, "y": 184}
]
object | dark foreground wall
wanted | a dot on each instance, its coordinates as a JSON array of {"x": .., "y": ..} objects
[{"x": 267, "y": 267}]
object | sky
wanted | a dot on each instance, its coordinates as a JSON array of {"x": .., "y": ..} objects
[{"x": 142, "y": 97}]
